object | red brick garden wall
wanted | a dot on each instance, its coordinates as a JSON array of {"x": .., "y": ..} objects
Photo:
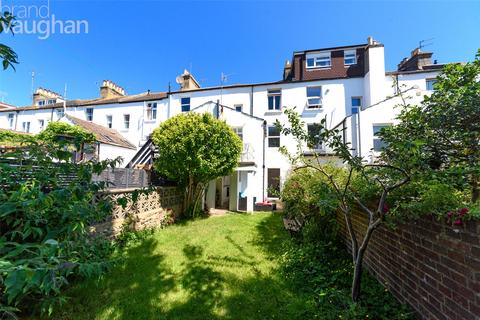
[{"x": 433, "y": 267}]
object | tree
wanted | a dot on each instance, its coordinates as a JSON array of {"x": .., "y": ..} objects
[
  {"x": 381, "y": 179},
  {"x": 193, "y": 150},
  {"x": 441, "y": 137},
  {"x": 7, "y": 55}
]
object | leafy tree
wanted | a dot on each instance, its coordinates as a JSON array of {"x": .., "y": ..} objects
[
  {"x": 348, "y": 187},
  {"x": 440, "y": 139},
  {"x": 7, "y": 55},
  {"x": 193, "y": 150}
]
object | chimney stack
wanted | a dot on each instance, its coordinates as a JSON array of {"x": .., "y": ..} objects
[
  {"x": 287, "y": 71},
  {"x": 187, "y": 81},
  {"x": 109, "y": 89},
  {"x": 44, "y": 96},
  {"x": 417, "y": 60}
]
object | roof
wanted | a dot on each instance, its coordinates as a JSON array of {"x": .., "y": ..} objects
[
  {"x": 146, "y": 96},
  {"x": 6, "y": 106},
  {"x": 226, "y": 107},
  {"x": 102, "y": 134},
  {"x": 362, "y": 45},
  {"x": 427, "y": 68},
  {"x": 16, "y": 132}
]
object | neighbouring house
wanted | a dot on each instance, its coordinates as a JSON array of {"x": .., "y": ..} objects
[
  {"x": 346, "y": 85},
  {"x": 109, "y": 145}
]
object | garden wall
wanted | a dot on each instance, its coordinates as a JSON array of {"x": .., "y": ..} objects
[
  {"x": 148, "y": 211},
  {"x": 433, "y": 267}
]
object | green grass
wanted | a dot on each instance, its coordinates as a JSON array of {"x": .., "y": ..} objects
[{"x": 217, "y": 268}]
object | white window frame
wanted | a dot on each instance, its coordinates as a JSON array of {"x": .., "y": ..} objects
[
  {"x": 317, "y": 60},
  {"x": 273, "y": 93},
  {"x": 314, "y": 105},
  {"x": 237, "y": 106},
  {"x": 109, "y": 121},
  {"x": 272, "y": 137},
  {"x": 152, "y": 111},
  {"x": 26, "y": 126},
  {"x": 126, "y": 121},
  {"x": 41, "y": 124},
  {"x": 431, "y": 81},
  {"x": 60, "y": 113},
  {"x": 88, "y": 114},
  {"x": 11, "y": 120},
  {"x": 239, "y": 132},
  {"x": 350, "y": 53},
  {"x": 359, "y": 108},
  {"x": 51, "y": 101}
]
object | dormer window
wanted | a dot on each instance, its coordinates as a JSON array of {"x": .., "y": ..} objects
[
  {"x": 51, "y": 101},
  {"x": 41, "y": 102},
  {"x": 319, "y": 60},
  {"x": 350, "y": 57}
]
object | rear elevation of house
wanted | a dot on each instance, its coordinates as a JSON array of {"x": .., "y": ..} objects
[{"x": 347, "y": 85}]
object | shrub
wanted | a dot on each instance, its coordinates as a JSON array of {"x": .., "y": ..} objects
[{"x": 44, "y": 239}]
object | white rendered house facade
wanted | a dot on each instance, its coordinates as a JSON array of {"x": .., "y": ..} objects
[{"x": 346, "y": 84}]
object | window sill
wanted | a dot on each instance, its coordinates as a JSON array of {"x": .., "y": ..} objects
[
  {"x": 124, "y": 130},
  {"x": 307, "y": 109},
  {"x": 318, "y": 68},
  {"x": 150, "y": 121},
  {"x": 273, "y": 112}
]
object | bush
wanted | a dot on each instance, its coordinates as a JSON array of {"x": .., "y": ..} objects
[
  {"x": 309, "y": 198},
  {"x": 325, "y": 271},
  {"x": 44, "y": 218}
]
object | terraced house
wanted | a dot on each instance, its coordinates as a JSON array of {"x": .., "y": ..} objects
[{"x": 347, "y": 85}]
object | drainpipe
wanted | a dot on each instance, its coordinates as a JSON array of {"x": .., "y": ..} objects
[
  {"x": 263, "y": 159},
  {"x": 16, "y": 120},
  {"x": 251, "y": 100}
]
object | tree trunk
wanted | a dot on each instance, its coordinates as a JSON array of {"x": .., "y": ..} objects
[{"x": 357, "y": 278}]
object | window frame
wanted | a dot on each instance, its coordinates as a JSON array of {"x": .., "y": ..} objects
[
  {"x": 376, "y": 138},
  {"x": 152, "y": 111},
  {"x": 273, "y": 137},
  {"x": 350, "y": 52},
  {"x": 317, "y": 58},
  {"x": 237, "y": 106},
  {"x": 278, "y": 187},
  {"x": 274, "y": 94},
  {"x": 320, "y": 98},
  {"x": 186, "y": 107},
  {"x": 41, "y": 124},
  {"x": 238, "y": 131},
  {"x": 126, "y": 121},
  {"x": 88, "y": 114},
  {"x": 359, "y": 107},
  {"x": 433, "y": 81},
  {"x": 316, "y": 146},
  {"x": 109, "y": 123},
  {"x": 11, "y": 120},
  {"x": 60, "y": 113},
  {"x": 26, "y": 126}
]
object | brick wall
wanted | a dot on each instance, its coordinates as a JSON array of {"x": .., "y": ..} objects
[
  {"x": 147, "y": 212},
  {"x": 433, "y": 267}
]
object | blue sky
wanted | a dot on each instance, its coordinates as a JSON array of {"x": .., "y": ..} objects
[{"x": 144, "y": 45}]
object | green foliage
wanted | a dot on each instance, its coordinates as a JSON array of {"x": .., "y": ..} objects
[
  {"x": 308, "y": 197},
  {"x": 44, "y": 222},
  {"x": 7, "y": 55},
  {"x": 195, "y": 149},
  {"x": 12, "y": 139},
  {"x": 440, "y": 139},
  {"x": 62, "y": 133},
  {"x": 325, "y": 271}
]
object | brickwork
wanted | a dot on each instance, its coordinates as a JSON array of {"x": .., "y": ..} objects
[
  {"x": 433, "y": 267},
  {"x": 148, "y": 211}
]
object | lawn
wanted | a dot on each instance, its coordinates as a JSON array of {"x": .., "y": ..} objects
[{"x": 217, "y": 268}]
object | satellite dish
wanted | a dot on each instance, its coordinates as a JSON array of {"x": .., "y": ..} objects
[{"x": 180, "y": 80}]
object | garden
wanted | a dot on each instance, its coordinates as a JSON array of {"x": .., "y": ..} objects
[{"x": 237, "y": 266}]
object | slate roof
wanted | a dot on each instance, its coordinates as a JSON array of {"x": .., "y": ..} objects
[{"x": 103, "y": 134}]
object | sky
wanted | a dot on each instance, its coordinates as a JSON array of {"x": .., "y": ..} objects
[{"x": 144, "y": 45}]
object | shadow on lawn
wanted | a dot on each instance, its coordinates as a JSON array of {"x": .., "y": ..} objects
[{"x": 133, "y": 290}]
